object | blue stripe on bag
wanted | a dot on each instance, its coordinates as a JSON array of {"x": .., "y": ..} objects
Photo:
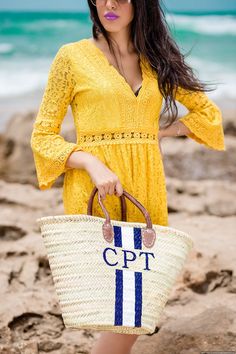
[
  {"x": 137, "y": 239},
  {"x": 119, "y": 298},
  {"x": 118, "y": 238},
  {"x": 138, "y": 298},
  {"x": 133, "y": 306}
]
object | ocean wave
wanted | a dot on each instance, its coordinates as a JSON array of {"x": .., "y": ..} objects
[
  {"x": 39, "y": 25},
  {"x": 212, "y": 24},
  {"x": 20, "y": 78},
  {"x": 222, "y": 78},
  {"x": 6, "y": 48}
]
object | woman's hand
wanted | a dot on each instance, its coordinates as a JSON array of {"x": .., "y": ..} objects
[{"x": 106, "y": 181}]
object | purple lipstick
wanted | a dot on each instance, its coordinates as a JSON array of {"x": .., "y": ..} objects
[{"x": 111, "y": 16}]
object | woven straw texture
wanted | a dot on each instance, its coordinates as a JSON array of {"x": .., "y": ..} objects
[{"x": 121, "y": 286}]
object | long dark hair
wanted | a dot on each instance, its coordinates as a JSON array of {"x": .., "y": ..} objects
[{"x": 151, "y": 37}]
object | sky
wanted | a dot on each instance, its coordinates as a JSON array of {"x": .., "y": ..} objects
[{"x": 81, "y": 5}]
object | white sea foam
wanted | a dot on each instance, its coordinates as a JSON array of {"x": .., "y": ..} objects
[
  {"x": 47, "y": 25},
  {"x": 211, "y": 24},
  {"x": 223, "y": 78},
  {"x": 22, "y": 77},
  {"x": 6, "y": 48}
]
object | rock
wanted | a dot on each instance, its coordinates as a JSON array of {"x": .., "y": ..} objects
[
  {"x": 232, "y": 286},
  {"x": 29, "y": 348},
  {"x": 229, "y": 122},
  {"x": 187, "y": 160},
  {"x": 22, "y": 205},
  {"x": 17, "y": 164},
  {"x": 211, "y": 329},
  {"x": 194, "y": 329},
  {"x": 201, "y": 197},
  {"x": 49, "y": 346},
  {"x": 20, "y": 348},
  {"x": 16, "y": 194},
  {"x": 214, "y": 240},
  {"x": 221, "y": 199},
  {"x": 11, "y": 233}
]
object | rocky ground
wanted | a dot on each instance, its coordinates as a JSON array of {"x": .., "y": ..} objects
[{"x": 200, "y": 314}]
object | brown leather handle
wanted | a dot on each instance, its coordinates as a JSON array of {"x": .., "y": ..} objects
[
  {"x": 148, "y": 233},
  {"x": 122, "y": 202}
]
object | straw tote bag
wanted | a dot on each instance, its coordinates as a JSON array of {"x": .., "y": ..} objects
[{"x": 112, "y": 275}]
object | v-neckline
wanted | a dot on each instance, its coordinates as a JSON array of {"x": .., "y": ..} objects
[{"x": 116, "y": 72}]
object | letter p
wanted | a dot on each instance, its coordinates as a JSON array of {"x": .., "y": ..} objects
[{"x": 127, "y": 259}]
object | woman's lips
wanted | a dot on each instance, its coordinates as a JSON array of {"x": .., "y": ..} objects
[{"x": 111, "y": 17}]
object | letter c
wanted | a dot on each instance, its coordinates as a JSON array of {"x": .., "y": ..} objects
[{"x": 104, "y": 256}]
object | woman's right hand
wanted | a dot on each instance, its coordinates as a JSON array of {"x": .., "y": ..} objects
[{"x": 106, "y": 181}]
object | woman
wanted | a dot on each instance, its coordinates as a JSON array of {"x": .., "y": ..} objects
[{"x": 115, "y": 83}]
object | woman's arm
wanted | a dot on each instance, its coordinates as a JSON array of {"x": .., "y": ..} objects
[
  {"x": 50, "y": 149},
  {"x": 203, "y": 122},
  {"x": 204, "y": 119},
  {"x": 78, "y": 159},
  {"x": 175, "y": 129}
]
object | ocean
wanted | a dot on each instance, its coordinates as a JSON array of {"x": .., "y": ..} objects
[{"x": 29, "y": 41}]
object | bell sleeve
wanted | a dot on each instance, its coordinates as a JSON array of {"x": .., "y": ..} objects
[
  {"x": 204, "y": 118},
  {"x": 51, "y": 150}
]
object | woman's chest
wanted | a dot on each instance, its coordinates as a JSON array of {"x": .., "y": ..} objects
[{"x": 101, "y": 92}]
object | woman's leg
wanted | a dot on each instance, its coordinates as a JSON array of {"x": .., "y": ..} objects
[{"x": 114, "y": 343}]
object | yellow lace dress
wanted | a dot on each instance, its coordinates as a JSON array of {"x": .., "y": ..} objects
[{"x": 115, "y": 125}]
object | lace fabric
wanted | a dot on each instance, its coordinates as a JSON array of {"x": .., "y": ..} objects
[
  {"x": 114, "y": 124},
  {"x": 118, "y": 138},
  {"x": 204, "y": 119}
]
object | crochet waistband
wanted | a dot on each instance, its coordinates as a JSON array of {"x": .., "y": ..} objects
[{"x": 118, "y": 138}]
